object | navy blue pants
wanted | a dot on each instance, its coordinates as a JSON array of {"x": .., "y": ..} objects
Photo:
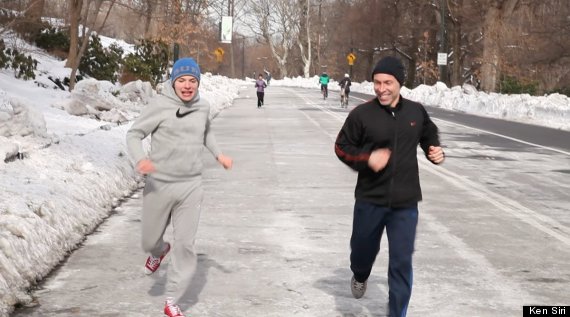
[
  {"x": 260, "y": 99},
  {"x": 367, "y": 228}
]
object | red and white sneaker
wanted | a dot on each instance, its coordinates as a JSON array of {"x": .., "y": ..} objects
[
  {"x": 171, "y": 309},
  {"x": 152, "y": 263}
]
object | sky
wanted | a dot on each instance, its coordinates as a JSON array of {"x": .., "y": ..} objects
[{"x": 64, "y": 164}]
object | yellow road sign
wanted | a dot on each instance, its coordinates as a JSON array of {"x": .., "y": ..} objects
[
  {"x": 219, "y": 52},
  {"x": 350, "y": 58}
]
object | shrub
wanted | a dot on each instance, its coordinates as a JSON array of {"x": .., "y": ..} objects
[
  {"x": 512, "y": 85},
  {"x": 148, "y": 63},
  {"x": 28, "y": 29},
  {"x": 23, "y": 66},
  {"x": 55, "y": 41},
  {"x": 560, "y": 90},
  {"x": 101, "y": 63}
]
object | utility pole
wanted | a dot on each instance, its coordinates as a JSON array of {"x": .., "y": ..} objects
[
  {"x": 177, "y": 18},
  {"x": 231, "y": 14},
  {"x": 319, "y": 30},
  {"x": 351, "y": 52},
  {"x": 443, "y": 44}
]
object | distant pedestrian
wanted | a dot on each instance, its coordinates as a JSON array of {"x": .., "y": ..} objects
[
  {"x": 267, "y": 77},
  {"x": 179, "y": 125},
  {"x": 260, "y": 85},
  {"x": 379, "y": 140}
]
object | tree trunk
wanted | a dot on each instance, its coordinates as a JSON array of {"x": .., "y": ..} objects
[
  {"x": 455, "y": 41},
  {"x": 149, "y": 11},
  {"x": 304, "y": 36},
  {"x": 457, "y": 67},
  {"x": 75, "y": 7},
  {"x": 492, "y": 42},
  {"x": 275, "y": 24},
  {"x": 490, "y": 58},
  {"x": 282, "y": 68},
  {"x": 86, "y": 36},
  {"x": 414, "y": 47}
]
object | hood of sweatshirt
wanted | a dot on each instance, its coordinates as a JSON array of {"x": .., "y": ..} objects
[{"x": 168, "y": 91}]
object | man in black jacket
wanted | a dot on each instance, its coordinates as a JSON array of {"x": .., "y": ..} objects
[{"x": 379, "y": 140}]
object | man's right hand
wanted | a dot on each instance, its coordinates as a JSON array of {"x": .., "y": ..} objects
[
  {"x": 378, "y": 159},
  {"x": 145, "y": 166}
]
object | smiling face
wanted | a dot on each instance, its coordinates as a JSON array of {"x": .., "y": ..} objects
[
  {"x": 387, "y": 89},
  {"x": 186, "y": 87}
]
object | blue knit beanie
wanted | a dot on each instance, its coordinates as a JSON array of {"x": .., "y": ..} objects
[{"x": 185, "y": 66}]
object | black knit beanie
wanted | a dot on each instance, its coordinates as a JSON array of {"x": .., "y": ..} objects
[{"x": 390, "y": 65}]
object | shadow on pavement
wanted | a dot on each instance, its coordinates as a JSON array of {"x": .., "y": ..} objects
[{"x": 373, "y": 304}]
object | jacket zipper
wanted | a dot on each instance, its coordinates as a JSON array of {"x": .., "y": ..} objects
[{"x": 393, "y": 158}]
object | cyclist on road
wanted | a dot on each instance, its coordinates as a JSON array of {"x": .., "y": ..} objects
[
  {"x": 345, "y": 88},
  {"x": 324, "y": 81}
]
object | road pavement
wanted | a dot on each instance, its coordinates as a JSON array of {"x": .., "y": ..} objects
[{"x": 274, "y": 233}]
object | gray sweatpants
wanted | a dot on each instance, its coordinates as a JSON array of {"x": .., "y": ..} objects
[{"x": 178, "y": 203}]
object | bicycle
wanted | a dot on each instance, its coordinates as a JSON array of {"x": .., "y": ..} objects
[
  {"x": 324, "y": 91},
  {"x": 343, "y": 98}
]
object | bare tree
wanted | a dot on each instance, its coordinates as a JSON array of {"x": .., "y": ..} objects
[
  {"x": 276, "y": 22},
  {"x": 413, "y": 19},
  {"x": 455, "y": 10},
  {"x": 491, "y": 56},
  {"x": 304, "y": 31},
  {"x": 146, "y": 11},
  {"x": 464, "y": 24},
  {"x": 536, "y": 44},
  {"x": 75, "y": 9},
  {"x": 34, "y": 13},
  {"x": 87, "y": 17},
  {"x": 489, "y": 40},
  {"x": 493, "y": 26},
  {"x": 25, "y": 17}
]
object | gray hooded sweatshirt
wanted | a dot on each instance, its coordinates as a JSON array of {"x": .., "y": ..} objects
[{"x": 179, "y": 130}]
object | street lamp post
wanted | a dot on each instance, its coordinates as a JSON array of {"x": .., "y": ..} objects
[
  {"x": 243, "y": 57},
  {"x": 243, "y": 40}
]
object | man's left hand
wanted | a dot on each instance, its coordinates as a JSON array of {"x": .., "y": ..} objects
[{"x": 436, "y": 154}]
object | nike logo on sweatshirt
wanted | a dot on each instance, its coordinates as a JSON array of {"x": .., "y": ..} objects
[{"x": 182, "y": 115}]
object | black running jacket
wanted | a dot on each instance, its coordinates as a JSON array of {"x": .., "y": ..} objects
[{"x": 370, "y": 126}]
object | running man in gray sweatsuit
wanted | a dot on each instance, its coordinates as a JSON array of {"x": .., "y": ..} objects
[{"x": 179, "y": 125}]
